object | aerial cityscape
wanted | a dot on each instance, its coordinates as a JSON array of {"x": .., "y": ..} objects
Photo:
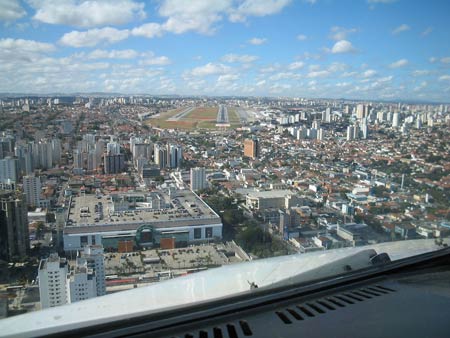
[{"x": 121, "y": 168}]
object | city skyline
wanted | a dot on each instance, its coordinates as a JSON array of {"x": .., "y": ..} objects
[{"x": 367, "y": 50}]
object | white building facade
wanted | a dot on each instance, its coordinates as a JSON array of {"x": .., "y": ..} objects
[
  {"x": 198, "y": 179},
  {"x": 81, "y": 283},
  {"x": 93, "y": 255},
  {"x": 52, "y": 281},
  {"x": 32, "y": 190}
]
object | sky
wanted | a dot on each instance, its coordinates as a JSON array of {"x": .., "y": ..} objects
[{"x": 354, "y": 49}]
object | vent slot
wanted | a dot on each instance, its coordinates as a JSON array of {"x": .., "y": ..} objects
[
  {"x": 294, "y": 314},
  {"x": 335, "y": 302},
  {"x": 348, "y": 301},
  {"x": 283, "y": 317},
  {"x": 188, "y": 335},
  {"x": 315, "y": 307},
  {"x": 326, "y": 305},
  {"x": 377, "y": 290},
  {"x": 245, "y": 328},
  {"x": 232, "y": 331},
  {"x": 305, "y": 311},
  {"x": 358, "y": 293},
  {"x": 349, "y": 295},
  {"x": 370, "y": 292},
  {"x": 332, "y": 303},
  {"x": 202, "y": 334},
  {"x": 384, "y": 288},
  {"x": 217, "y": 332}
]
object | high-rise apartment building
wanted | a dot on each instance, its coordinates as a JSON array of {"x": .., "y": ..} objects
[
  {"x": 114, "y": 163},
  {"x": 24, "y": 155},
  {"x": 43, "y": 155},
  {"x": 160, "y": 155},
  {"x": 56, "y": 151},
  {"x": 81, "y": 282},
  {"x": 93, "y": 255},
  {"x": 396, "y": 120},
  {"x": 32, "y": 190},
  {"x": 52, "y": 281},
  {"x": 9, "y": 170},
  {"x": 350, "y": 132},
  {"x": 251, "y": 148},
  {"x": 175, "y": 155},
  {"x": 360, "y": 111},
  {"x": 113, "y": 148},
  {"x": 198, "y": 179},
  {"x": 14, "y": 239}
]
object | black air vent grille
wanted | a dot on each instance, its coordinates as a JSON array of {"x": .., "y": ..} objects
[
  {"x": 315, "y": 308},
  {"x": 231, "y": 330}
]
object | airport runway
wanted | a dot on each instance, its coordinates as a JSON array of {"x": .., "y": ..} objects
[
  {"x": 181, "y": 114},
  {"x": 222, "y": 115}
]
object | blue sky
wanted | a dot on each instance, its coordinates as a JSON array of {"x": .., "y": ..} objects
[{"x": 363, "y": 49}]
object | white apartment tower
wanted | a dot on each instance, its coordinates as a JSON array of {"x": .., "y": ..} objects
[
  {"x": 32, "y": 190},
  {"x": 9, "y": 170},
  {"x": 198, "y": 178},
  {"x": 52, "y": 281},
  {"x": 396, "y": 120},
  {"x": 350, "y": 133},
  {"x": 93, "y": 254},
  {"x": 81, "y": 282}
]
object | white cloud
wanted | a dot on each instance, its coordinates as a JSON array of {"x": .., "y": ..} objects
[
  {"x": 257, "y": 41},
  {"x": 301, "y": 37},
  {"x": 232, "y": 58},
  {"x": 320, "y": 73},
  {"x": 20, "y": 45},
  {"x": 369, "y": 73},
  {"x": 343, "y": 46},
  {"x": 113, "y": 54},
  {"x": 445, "y": 59},
  {"x": 340, "y": 33},
  {"x": 270, "y": 68},
  {"x": 226, "y": 79},
  {"x": 399, "y": 63},
  {"x": 296, "y": 65},
  {"x": 444, "y": 78},
  {"x": 420, "y": 72},
  {"x": 402, "y": 28},
  {"x": 203, "y": 16},
  {"x": 426, "y": 32},
  {"x": 343, "y": 84},
  {"x": 15, "y": 53},
  {"x": 151, "y": 60},
  {"x": 86, "y": 14},
  {"x": 432, "y": 59},
  {"x": 284, "y": 76},
  {"x": 257, "y": 8},
  {"x": 421, "y": 86},
  {"x": 11, "y": 10},
  {"x": 278, "y": 88},
  {"x": 93, "y": 37},
  {"x": 337, "y": 67},
  {"x": 148, "y": 30},
  {"x": 349, "y": 74},
  {"x": 180, "y": 16},
  {"x": 210, "y": 69},
  {"x": 385, "y": 79},
  {"x": 193, "y": 15}
]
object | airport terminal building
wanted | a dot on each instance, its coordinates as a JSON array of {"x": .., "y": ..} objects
[{"x": 140, "y": 220}]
